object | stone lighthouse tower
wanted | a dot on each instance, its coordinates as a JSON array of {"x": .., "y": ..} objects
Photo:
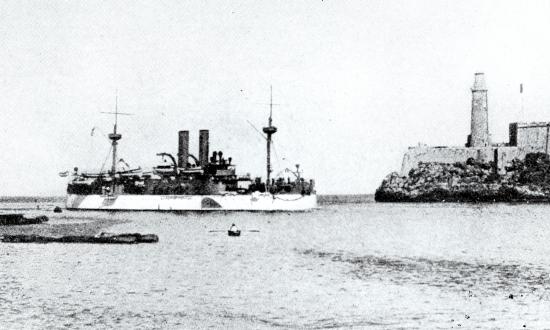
[{"x": 479, "y": 136}]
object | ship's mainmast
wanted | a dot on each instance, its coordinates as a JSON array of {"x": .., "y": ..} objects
[{"x": 269, "y": 130}]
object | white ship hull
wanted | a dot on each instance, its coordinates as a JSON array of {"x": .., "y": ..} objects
[{"x": 228, "y": 202}]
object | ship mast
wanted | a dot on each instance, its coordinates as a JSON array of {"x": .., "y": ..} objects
[
  {"x": 269, "y": 130},
  {"x": 114, "y": 137}
]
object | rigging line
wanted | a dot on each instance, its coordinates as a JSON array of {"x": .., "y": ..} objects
[
  {"x": 90, "y": 152},
  {"x": 105, "y": 161},
  {"x": 97, "y": 129},
  {"x": 288, "y": 200},
  {"x": 257, "y": 130},
  {"x": 277, "y": 158},
  {"x": 117, "y": 113}
]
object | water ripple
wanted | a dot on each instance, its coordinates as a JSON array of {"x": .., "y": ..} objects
[{"x": 484, "y": 278}]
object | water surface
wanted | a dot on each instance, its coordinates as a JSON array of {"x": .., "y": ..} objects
[{"x": 363, "y": 265}]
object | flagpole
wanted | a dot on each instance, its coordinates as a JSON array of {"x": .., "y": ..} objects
[{"x": 521, "y": 102}]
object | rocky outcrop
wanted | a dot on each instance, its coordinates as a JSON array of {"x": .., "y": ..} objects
[
  {"x": 525, "y": 180},
  {"x": 103, "y": 238},
  {"x": 19, "y": 219}
]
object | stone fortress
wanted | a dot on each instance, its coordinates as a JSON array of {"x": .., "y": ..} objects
[{"x": 524, "y": 138}]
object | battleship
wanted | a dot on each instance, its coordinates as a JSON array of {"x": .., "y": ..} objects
[{"x": 206, "y": 182}]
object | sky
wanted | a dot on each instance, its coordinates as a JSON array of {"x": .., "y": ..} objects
[{"x": 356, "y": 82}]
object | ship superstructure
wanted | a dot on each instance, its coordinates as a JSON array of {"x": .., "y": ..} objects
[{"x": 208, "y": 181}]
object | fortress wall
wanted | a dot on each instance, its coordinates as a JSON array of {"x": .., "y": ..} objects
[
  {"x": 534, "y": 135},
  {"x": 450, "y": 155},
  {"x": 505, "y": 155}
]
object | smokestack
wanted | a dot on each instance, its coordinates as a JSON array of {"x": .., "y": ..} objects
[
  {"x": 480, "y": 121},
  {"x": 183, "y": 148},
  {"x": 203, "y": 147}
]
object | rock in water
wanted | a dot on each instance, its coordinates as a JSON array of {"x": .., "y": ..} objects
[
  {"x": 19, "y": 219},
  {"x": 470, "y": 181},
  {"x": 149, "y": 238},
  {"x": 103, "y": 238}
]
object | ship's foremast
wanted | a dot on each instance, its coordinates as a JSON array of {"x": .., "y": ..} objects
[{"x": 115, "y": 137}]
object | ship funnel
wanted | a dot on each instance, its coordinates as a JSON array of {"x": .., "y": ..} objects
[
  {"x": 183, "y": 148},
  {"x": 203, "y": 147}
]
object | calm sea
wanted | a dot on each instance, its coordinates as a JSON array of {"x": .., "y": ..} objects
[{"x": 363, "y": 265}]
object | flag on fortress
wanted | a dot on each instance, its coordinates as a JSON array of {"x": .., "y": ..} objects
[{"x": 521, "y": 88}]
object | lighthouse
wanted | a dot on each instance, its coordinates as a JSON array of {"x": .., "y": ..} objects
[{"x": 479, "y": 136}]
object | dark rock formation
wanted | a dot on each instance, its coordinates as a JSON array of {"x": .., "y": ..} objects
[
  {"x": 19, "y": 219},
  {"x": 103, "y": 238},
  {"x": 472, "y": 181}
]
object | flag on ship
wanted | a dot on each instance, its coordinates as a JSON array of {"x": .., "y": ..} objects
[{"x": 64, "y": 174}]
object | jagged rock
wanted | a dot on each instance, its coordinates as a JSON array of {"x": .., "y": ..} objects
[{"x": 471, "y": 181}]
